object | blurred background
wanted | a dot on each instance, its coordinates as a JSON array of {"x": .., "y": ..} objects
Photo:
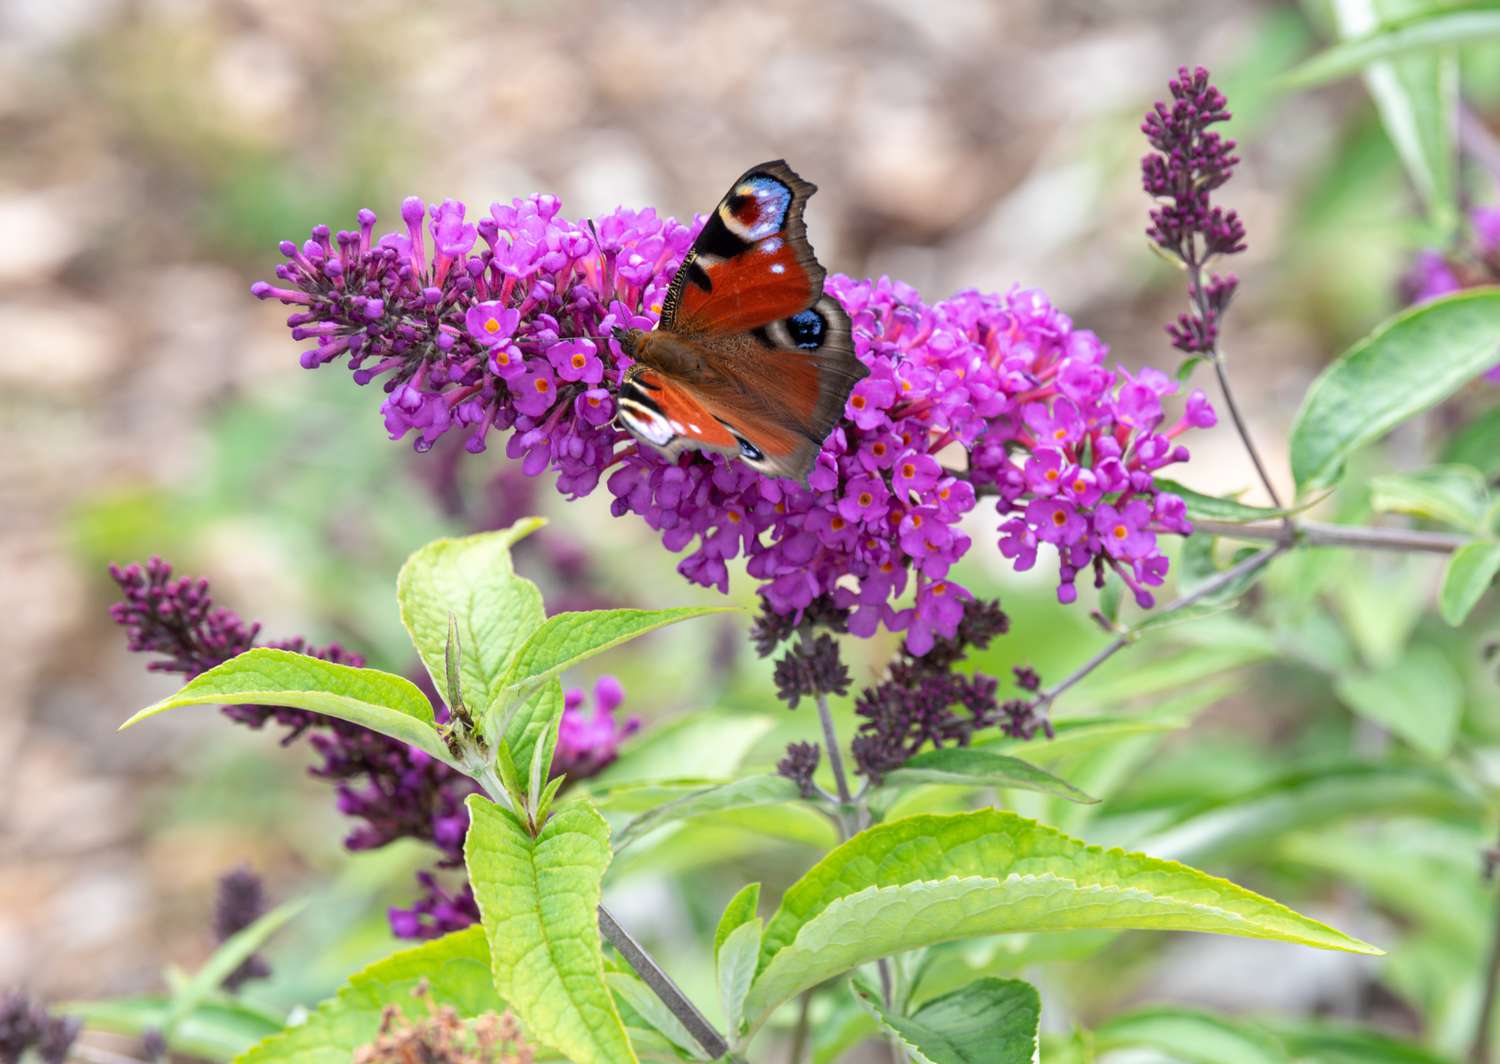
[{"x": 155, "y": 151}]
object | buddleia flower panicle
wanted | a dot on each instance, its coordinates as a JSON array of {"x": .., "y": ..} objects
[
  {"x": 1191, "y": 161},
  {"x": 26, "y": 1025},
  {"x": 392, "y": 791},
  {"x": 799, "y": 764},
  {"x": 472, "y": 327},
  {"x": 239, "y": 903}
]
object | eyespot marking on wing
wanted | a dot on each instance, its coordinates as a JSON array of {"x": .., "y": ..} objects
[
  {"x": 756, "y": 208},
  {"x": 807, "y": 329}
]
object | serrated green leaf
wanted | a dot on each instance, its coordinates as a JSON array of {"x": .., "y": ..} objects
[
  {"x": 1453, "y": 495},
  {"x": 381, "y": 701},
  {"x": 1191, "y": 1036},
  {"x": 455, "y": 967},
  {"x": 1419, "y": 697},
  {"x": 215, "y": 1030},
  {"x": 539, "y": 899},
  {"x": 493, "y": 611},
  {"x": 569, "y": 638},
  {"x": 1470, "y": 572},
  {"x": 740, "y": 910},
  {"x": 1409, "y": 363},
  {"x": 736, "y": 962},
  {"x": 990, "y": 1021},
  {"x": 977, "y": 767},
  {"x": 929, "y": 879},
  {"x": 750, "y": 791},
  {"x": 232, "y": 953},
  {"x": 1435, "y": 29}
]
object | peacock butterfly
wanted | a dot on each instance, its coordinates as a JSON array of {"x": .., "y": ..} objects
[{"x": 750, "y": 358}]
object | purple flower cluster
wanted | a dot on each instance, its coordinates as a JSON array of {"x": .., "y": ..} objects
[
  {"x": 975, "y": 394},
  {"x": 28, "y": 1026},
  {"x": 1434, "y": 273},
  {"x": 1189, "y": 162},
  {"x": 925, "y": 701},
  {"x": 239, "y": 903},
  {"x": 391, "y": 789}
]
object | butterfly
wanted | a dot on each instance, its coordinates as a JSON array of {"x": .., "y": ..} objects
[{"x": 750, "y": 358}]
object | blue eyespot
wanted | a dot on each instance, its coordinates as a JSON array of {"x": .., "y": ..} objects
[
  {"x": 807, "y": 329},
  {"x": 749, "y": 450}
]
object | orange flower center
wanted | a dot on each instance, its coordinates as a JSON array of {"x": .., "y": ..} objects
[
  {"x": 865, "y": 498},
  {"x": 1120, "y": 531},
  {"x": 491, "y": 326},
  {"x": 1059, "y": 518}
]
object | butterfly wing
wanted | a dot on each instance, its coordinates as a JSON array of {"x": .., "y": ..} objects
[{"x": 747, "y": 338}]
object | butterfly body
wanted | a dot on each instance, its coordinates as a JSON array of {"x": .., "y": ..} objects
[{"x": 750, "y": 357}]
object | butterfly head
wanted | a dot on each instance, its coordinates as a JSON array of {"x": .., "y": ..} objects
[{"x": 628, "y": 339}]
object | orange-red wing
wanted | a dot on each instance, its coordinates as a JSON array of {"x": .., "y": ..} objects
[{"x": 751, "y": 264}]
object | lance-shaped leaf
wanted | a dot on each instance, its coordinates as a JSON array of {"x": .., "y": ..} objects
[
  {"x": 990, "y": 1021},
  {"x": 539, "y": 900},
  {"x": 1192, "y": 1036},
  {"x": 456, "y": 969},
  {"x": 929, "y": 879},
  {"x": 1218, "y": 508},
  {"x": 750, "y": 791},
  {"x": 967, "y": 766},
  {"x": 1434, "y": 29},
  {"x": 235, "y": 951},
  {"x": 385, "y": 703},
  {"x": 1411, "y": 362},
  {"x": 215, "y": 1030},
  {"x": 470, "y": 584},
  {"x": 570, "y": 638}
]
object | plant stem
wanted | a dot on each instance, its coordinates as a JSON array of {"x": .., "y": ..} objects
[
  {"x": 1317, "y": 534},
  {"x": 661, "y": 985},
  {"x": 635, "y": 955},
  {"x": 799, "y": 1036},
  {"x": 835, "y": 755},
  {"x": 1244, "y": 432},
  {"x": 1125, "y": 638}
]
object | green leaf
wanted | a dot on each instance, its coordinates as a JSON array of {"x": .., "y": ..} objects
[
  {"x": 638, "y": 996},
  {"x": 1408, "y": 364},
  {"x": 381, "y": 701},
  {"x": 532, "y": 730},
  {"x": 1079, "y": 736},
  {"x": 1190, "y": 1036},
  {"x": 736, "y": 962},
  {"x": 929, "y": 879},
  {"x": 214, "y": 1030},
  {"x": 539, "y": 899},
  {"x": 455, "y": 967},
  {"x": 1328, "y": 1043},
  {"x": 493, "y": 611},
  {"x": 750, "y": 791},
  {"x": 1313, "y": 797},
  {"x": 976, "y": 767},
  {"x": 569, "y": 638},
  {"x": 1417, "y": 97},
  {"x": 1216, "y": 508},
  {"x": 1453, "y": 495},
  {"x": 740, "y": 910},
  {"x": 1477, "y": 444},
  {"x": 1435, "y": 29},
  {"x": 990, "y": 1021},
  {"x": 235, "y": 951},
  {"x": 1470, "y": 572},
  {"x": 1418, "y": 697}
]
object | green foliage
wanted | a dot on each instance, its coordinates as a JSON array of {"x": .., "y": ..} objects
[
  {"x": 1454, "y": 495},
  {"x": 967, "y": 766},
  {"x": 470, "y": 582},
  {"x": 235, "y": 951},
  {"x": 1470, "y": 572},
  {"x": 736, "y": 960},
  {"x": 1409, "y": 363},
  {"x": 990, "y": 1021},
  {"x": 1435, "y": 29},
  {"x": 739, "y": 794},
  {"x": 456, "y": 969},
  {"x": 214, "y": 1030},
  {"x": 929, "y": 879},
  {"x": 385, "y": 703},
  {"x": 1419, "y": 697},
  {"x": 1217, "y": 508},
  {"x": 539, "y": 898}
]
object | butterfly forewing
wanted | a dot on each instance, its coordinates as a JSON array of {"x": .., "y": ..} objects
[{"x": 748, "y": 346}]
